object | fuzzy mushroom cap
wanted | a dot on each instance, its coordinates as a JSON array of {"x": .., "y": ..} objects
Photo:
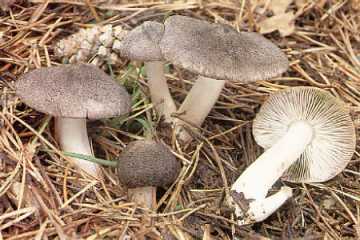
[
  {"x": 333, "y": 142},
  {"x": 73, "y": 91},
  {"x": 219, "y": 51},
  {"x": 147, "y": 163},
  {"x": 142, "y": 43}
]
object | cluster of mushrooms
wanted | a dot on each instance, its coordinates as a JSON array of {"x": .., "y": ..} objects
[{"x": 308, "y": 134}]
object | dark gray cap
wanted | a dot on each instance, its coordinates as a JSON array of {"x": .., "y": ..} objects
[
  {"x": 147, "y": 163},
  {"x": 219, "y": 51},
  {"x": 142, "y": 43},
  {"x": 73, "y": 91}
]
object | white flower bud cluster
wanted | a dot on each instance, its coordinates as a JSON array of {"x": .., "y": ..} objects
[{"x": 93, "y": 45}]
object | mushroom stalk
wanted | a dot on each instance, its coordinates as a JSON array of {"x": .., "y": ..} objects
[
  {"x": 72, "y": 136},
  {"x": 159, "y": 90},
  {"x": 198, "y": 104},
  {"x": 261, "y": 209},
  {"x": 145, "y": 196},
  {"x": 272, "y": 164}
]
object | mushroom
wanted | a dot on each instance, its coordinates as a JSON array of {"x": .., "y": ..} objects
[
  {"x": 308, "y": 135},
  {"x": 217, "y": 53},
  {"x": 145, "y": 165},
  {"x": 73, "y": 93},
  {"x": 142, "y": 44}
]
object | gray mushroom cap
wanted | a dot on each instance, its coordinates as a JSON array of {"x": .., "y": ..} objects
[
  {"x": 142, "y": 43},
  {"x": 147, "y": 163},
  {"x": 219, "y": 51},
  {"x": 333, "y": 143},
  {"x": 73, "y": 91}
]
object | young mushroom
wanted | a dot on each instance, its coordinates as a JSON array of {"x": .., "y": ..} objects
[
  {"x": 308, "y": 135},
  {"x": 145, "y": 165},
  {"x": 142, "y": 44},
  {"x": 72, "y": 94},
  {"x": 217, "y": 53}
]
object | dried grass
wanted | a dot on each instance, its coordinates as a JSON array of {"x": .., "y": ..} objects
[{"x": 324, "y": 52}]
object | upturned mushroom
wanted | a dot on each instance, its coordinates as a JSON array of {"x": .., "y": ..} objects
[
  {"x": 142, "y": 44},
  {"x": 72, "y": 94},
  {"x": 308, "y": 135},
  {"x": 217, "y": 53},
  {"x": 145, "y": 165}
]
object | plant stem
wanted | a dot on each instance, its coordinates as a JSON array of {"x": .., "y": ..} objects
[{"x": 100, "y": 161}]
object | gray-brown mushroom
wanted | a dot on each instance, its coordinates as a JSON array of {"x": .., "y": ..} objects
[
  {"x": 72, "y": 94},
  {"x": 217, "y": 53},
  {"x": 145, "y": 165},
  {"x": 142, "y": 44}
]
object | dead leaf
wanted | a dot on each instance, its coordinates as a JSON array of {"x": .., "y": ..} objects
[
  {"x": 321, "y": 3},
  {"x": 279, "y": 6},
  {"x": 355, "y": 4},
  {"x": 301, "y": 3},
  {"x": 207, "y": 234},
  {"x": 329, "y": 203},
  {"x": 6, "y": 4},
  {"x": 257, "y": 3},
  {"x": 284, "y": 23},
  {"x": 259, "y": 6}
]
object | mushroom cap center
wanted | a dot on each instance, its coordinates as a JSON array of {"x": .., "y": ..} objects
[{"x": 304, "y": 129}]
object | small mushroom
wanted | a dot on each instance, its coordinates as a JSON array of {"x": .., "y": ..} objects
[
  {"x": 308, "y": 135},
  {"x": 72, "y": 94},
  {"x": 145, "y": 165},
  {"x": 217, "y": 53},
  {"x": 142, "y": 44}
]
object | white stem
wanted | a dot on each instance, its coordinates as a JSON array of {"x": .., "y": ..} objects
[
  {"x": 159, "y": 90},
  {"x": 72, "y": 136},
  {"x": 145, "y": 196},
  {"x": 198, "y": 104},
  {"x": 259, "y": 177},
  {"x": 261, "y": 209}
]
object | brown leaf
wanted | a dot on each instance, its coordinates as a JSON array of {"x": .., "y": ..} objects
[
  {"x": 6, "y": 4},
  {"x": 301, "y": 3},
  {"x": 279, "y": 6},
  {"x": 355, "y": 4},
  {"x": 284, "y": 23},
  {"x": 321, "y": 3},
  {"x": 257, "y": 5}
]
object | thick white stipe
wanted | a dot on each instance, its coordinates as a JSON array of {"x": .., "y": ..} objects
[
  {"x": 198, "y": 104},
  {"x": 259, "y": 210},
  {"x": 144, "y": 196},
  {"x": 72, "y": 136},
  {"x": 259, "y": 177}
]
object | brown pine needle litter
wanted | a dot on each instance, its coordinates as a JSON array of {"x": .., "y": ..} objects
[{"x": 43, "y": 197}]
